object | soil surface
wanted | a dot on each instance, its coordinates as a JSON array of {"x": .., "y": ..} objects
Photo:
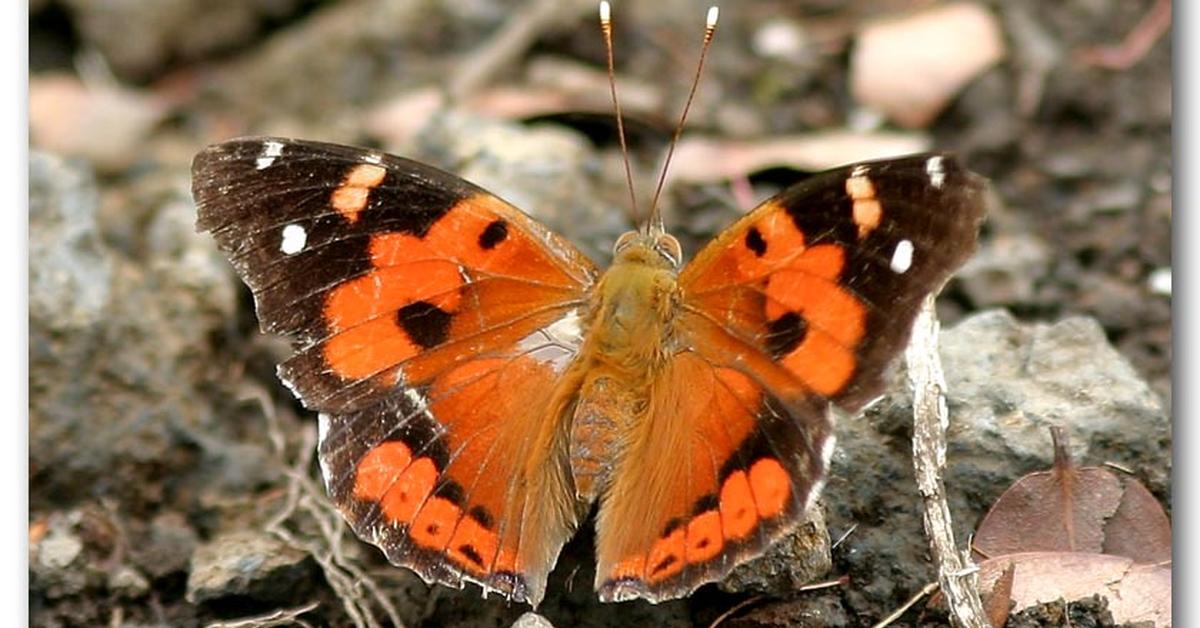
[{"x": 172, "y": 479}]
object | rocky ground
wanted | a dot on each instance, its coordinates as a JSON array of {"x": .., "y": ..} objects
[{"x": 171, "y": 476}]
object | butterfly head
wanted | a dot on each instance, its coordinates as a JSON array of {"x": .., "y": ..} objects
[{"x": 648, "y": 246}]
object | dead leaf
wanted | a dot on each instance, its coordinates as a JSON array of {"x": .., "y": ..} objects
[
  {"x": 1135, "y": 592},
  {"x": 105, "y": 124},
  {"x": 705, "y": 160},
  {"x": 1073, "y": 509},
  {"x": 909, "y": 68},
  {"x": 998, "y": 600}
]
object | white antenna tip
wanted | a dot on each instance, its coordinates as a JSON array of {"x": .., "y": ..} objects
[
  {"x": 605, "y": 11},
  {"x": 713, "y": 12}
]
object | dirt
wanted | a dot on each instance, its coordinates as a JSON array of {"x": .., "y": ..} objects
[{"x": 157, "y": 426}]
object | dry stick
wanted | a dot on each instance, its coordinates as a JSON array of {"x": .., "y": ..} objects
[
  {"x": 511, "y": 41},
  {"x": 302, "y": 493},
  {"x": 281, "y": 617},
  {"x": 896, "y": 614},
  {"x": 956, "y": 573}
]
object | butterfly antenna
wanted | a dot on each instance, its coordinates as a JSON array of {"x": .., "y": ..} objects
[
  {"x": 606, "y": 28},
  {"x": 710, "y": 27}
]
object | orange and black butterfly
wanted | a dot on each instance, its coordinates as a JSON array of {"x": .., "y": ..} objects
[{"x": 481, "y": 385}]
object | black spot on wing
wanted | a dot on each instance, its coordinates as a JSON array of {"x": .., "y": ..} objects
[
  {"x": 755, "y": 242},
  {"x": 785, "y": 333},
  {"x": 494, "y": 234},
  {"x": 425, "y": 323}
]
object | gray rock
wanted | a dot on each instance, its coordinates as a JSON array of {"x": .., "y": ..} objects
[
  {"x": 1005, "y": 271},
  {"x": 168, "y": 546},
  {"x": 1007, "y": 384},
  {"x": 118, "y": 345},
  {"x": 248, "y": 563},
  {"x": 797, "y": 559},
  {"x": 69, "y": 270},
  {"x": 58, "y": 561},
  {"x": 127, "y": 582},
  {"x": 532, "y": 620}
]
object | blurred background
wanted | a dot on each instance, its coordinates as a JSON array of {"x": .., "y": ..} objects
[{"x": 171, "y": 476}]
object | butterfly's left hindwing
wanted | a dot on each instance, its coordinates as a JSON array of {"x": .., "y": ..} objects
[{"x": 431, "y": 323}]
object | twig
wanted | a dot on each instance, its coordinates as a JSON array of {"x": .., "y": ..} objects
[
  {"x": 280, "y": 617},
  {"x": 896, "y": 614},
  {"x": 1119, "y": 467},
  {"x": 511, "y": 41},
  {"x": 1137, "y": 43},
  {"x": 305, "y": 497},
  {"x": 736, "y": 607},
  {"x": 930, "y": 420},
  {"x": 843, "y": 537},
  {"x": 826, "y": 584}
]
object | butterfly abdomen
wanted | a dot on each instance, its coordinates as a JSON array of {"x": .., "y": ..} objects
[{"x": 628, "y": 342}]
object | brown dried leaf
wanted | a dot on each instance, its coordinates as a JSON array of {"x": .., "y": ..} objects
[
  {"x": 1072, "y": 509},
  {"x": 910, "y": 67},
  {"x": 107, "y": 125},
  {"x": 1135, "y": 592},
  {"x": 998, "y": 599}
]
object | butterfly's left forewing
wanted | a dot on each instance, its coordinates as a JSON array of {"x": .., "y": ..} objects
[
  {"x": 801, "y": 304},
  {"x": 431, "y": 322}
]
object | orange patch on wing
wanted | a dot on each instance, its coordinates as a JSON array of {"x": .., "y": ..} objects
[
  {"x": 823, "y": 363},
  {"x": 435, "y": 523},
  {"x": 380, "y": 468},
  {"x": 473, "y": 545},
  {"x": 867, "y": 212},
  {"x": 772, "y": 487},
  {"x": 739, "y": 515},
  {"x": 631, "y": 567},
  {"x": 368, "y": 349},
  {"x": 361, "y": 312},
  {"x": 457, "y": 235},
  {"x": 666, "y": 556},
  {"x": 835, "y": 319},
  {"x": 401, "y": 501},
  {"x": 507, "y": 561},
  {"x": 783, "y": 241},
  {"x": 704, "y": 538},
  {"x": 351, "y": 196}
]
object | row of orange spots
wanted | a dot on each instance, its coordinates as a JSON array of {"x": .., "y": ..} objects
[
  {"x": 746, "y": 498},
  {"x": 350, "y": 198},
  {"x": 402, "y": 487}
]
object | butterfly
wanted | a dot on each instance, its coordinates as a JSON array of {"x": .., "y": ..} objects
[{"x": 481, "y": 385}]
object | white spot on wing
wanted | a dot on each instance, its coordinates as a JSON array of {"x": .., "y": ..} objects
[
  {"x": 271, "y": 150},
  {"x": 294, "y": 239},
  {"x": 902, "y": 257},
  {"x": 859, "y": 171},
  {"x": 374, "y": 158},
  {"x": 933, "y": 167}
]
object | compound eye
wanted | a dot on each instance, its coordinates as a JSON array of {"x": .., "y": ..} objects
[
  {"x": 624, "y": 240},
  {"x": 669, "y": 247}
]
